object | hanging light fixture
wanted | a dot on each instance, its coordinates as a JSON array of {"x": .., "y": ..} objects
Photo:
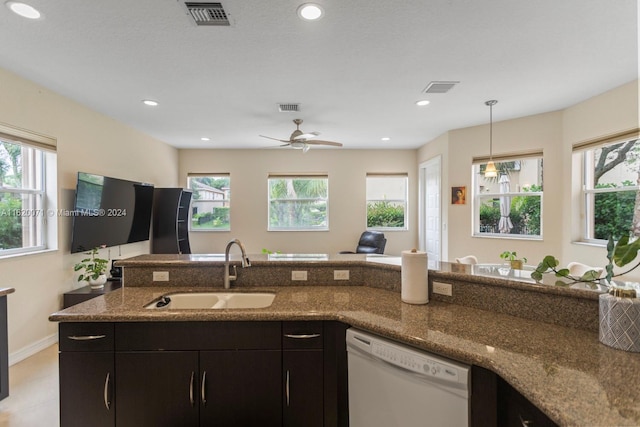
[{"x": 490, "y": 171}]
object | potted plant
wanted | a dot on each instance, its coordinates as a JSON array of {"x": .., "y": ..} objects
[
  {"x": 94, "y": 269},
  {"x": 512, "y": 257}
]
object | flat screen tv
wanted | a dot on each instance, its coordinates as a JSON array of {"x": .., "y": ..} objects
[{"x": 110, "y": 212}]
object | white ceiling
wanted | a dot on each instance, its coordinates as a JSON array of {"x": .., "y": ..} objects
[{"x": 357, "y": 72}]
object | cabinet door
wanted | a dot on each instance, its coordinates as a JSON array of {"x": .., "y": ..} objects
[
  {"x": 303, "y": 388},
  {"x": 240, "y": 388},
  {"x": 515, "y": 410},
  {"x": 157, "y": 388},
  {"x": 86, "y": 389}
]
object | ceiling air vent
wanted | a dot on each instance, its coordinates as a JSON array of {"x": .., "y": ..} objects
[
  {"x": 288, "y": 107},
  {"x": 439, "y": 87},
  {"x": 207, "y": 13}
]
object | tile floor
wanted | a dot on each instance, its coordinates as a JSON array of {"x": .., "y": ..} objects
[{"x": 33, "y": 392}]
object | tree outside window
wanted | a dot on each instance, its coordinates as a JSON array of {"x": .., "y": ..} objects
[
  {"x": 210, "y": 202},
  {"x": 22, "y": 198},
  {"x": 511, "y": 203},
  {"x": 387, "y": 201},
  {"x": 298, "y": 203},
  {"x": 611, "y": 190}
]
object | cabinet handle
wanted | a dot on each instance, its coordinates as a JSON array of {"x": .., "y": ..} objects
[
  {"x": 203, "y": 389},
  {"x": 193, "y": 374},
  {"x": 85, "y": 337},
  {"x": 107, "y": 395},
  {"x": 286, "y": 388},
  {"x": 302, "y": 336},
  {"x": 525, "y": 423}
]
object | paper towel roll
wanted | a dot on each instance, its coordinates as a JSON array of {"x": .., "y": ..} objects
[{"x": 415, "y": 283}]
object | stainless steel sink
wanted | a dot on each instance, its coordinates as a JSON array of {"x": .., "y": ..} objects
[{"x": 212, "y": 301}]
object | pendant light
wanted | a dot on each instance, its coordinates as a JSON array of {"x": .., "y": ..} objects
[{"x": 490, "y": 171}]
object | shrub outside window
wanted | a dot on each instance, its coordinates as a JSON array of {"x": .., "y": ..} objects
[
  {"x": 509, "y": 205},
  {"x": 25, "y": 209},
  {"x": 211, "y": 202},
  {"x": 387, "y": 201},
  {"x": 298, "y": 203},
  {"x": 611, "y": 191}
]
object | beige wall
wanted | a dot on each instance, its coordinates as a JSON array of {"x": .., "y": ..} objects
[
  {"x": 554, "y": 133},
  {"x": 87, "y": 141},
  {"x": 347, "y": 216}
]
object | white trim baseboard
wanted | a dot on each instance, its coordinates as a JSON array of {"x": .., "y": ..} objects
[{"x": 32, "y": 349}]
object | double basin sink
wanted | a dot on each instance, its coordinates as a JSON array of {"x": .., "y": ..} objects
[{"x": 212, "y": 301}]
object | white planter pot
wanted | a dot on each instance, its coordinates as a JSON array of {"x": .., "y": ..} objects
[
  {"x": 620, "y": 322},
  {"x": 99, "y": 282}
]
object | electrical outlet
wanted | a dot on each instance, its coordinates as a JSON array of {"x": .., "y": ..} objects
[
  {"x": 340, "y": 274},
  {"x": 442, "y": 288},
  {"x": 298, "y": 275},
  {"x": 160, "y": 276}
]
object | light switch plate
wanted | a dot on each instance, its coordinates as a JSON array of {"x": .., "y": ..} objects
[
  {"x": 160, "y": 276},
  {"x": 298, "y": 275},
  {"x": 340, "y": 274},
  {"x": 442, "y": 288}
]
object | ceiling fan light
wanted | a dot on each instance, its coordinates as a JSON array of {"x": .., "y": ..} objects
[
  {"x": 24, "y": 10},
  {"x": 310, "y": 11},
  {"x": 490, "y": 171}
]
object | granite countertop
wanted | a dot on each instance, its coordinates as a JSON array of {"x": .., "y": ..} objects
[
  {"x": 6, "y": 291},
  {"x": 564, "y": 371}
]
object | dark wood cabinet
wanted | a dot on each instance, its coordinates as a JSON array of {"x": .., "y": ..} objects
[
  {"x": 494, "y": 403},
  {"x": 240, "y": 388},
  {"x": 515, "y": 410},
  {"x": 303, "y": 374},
  {"x": 170, "y": 233},
  {"x": 203, "y": 373},
  {"x": 157, "y": 389},
  {"x": 86, "y": 366}
]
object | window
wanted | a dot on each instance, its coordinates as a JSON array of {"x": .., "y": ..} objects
[
  {"x": 27, "y": 192},
  {"x": 511, "y": 203},
  {"x": 610, "y": 189},
  {"x": 299, "y": 202},
  {"x": 387, "y": 201},
  {"x": 211, "y": 202}
]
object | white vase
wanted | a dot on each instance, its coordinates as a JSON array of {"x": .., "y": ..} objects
[
  {"x": 620, "y": 322},
  {"x": 99, "y": 282}
]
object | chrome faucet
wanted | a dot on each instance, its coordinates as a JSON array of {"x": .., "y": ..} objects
[{"x": 228, "y": 278}]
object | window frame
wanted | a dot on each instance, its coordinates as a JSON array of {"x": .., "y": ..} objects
[
  {"x": 478, "y": 197},
  {"x": 39, "y": 217},
  {"x": 325, "y": 199},
  {"x": 405, "y": 202},
  {"x": 586, "y": 165},
  {"x": 226, "y": 201}
]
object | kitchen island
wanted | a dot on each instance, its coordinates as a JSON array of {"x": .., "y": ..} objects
[{"x": 564, "y": 370}]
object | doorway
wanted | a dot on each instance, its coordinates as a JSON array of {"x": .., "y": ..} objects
[{"x": 430, "y": 204}]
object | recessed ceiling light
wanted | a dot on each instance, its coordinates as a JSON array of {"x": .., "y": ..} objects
[
  {"x": 23, "y": 10},
  {"x": 422, "y": 103},
  {"x": 204, "y": 138},
  {"x": 386, "y": 138},
  {"x": 150, "y": 102},
  {"x": 310, "y": 11}
]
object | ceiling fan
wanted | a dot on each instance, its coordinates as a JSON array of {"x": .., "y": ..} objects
[{"x": 303, "y": 141}]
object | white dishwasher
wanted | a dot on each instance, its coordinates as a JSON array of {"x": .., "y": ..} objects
[{"x": 392, "y": 385}]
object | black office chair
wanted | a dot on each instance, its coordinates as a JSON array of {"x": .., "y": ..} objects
[{"x": 371, "y": 242}]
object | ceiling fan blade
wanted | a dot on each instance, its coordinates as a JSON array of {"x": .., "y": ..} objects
[
  {"x": 321, "y": 142},
  {"x": 276, "y": 139}
]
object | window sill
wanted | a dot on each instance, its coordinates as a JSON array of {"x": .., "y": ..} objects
[{"x": 22, "y": 254}]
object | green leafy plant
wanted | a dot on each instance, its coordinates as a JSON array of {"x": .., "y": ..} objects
[
  {"x": 619, "y": 253},
  {"x": 93, "y": 266},
  {"x": 511, "y": 256}
]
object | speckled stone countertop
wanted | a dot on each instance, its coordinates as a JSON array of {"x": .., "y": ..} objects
[
  {"x": 6, "y": 291},
  {"x": 566, "y": 372}
]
